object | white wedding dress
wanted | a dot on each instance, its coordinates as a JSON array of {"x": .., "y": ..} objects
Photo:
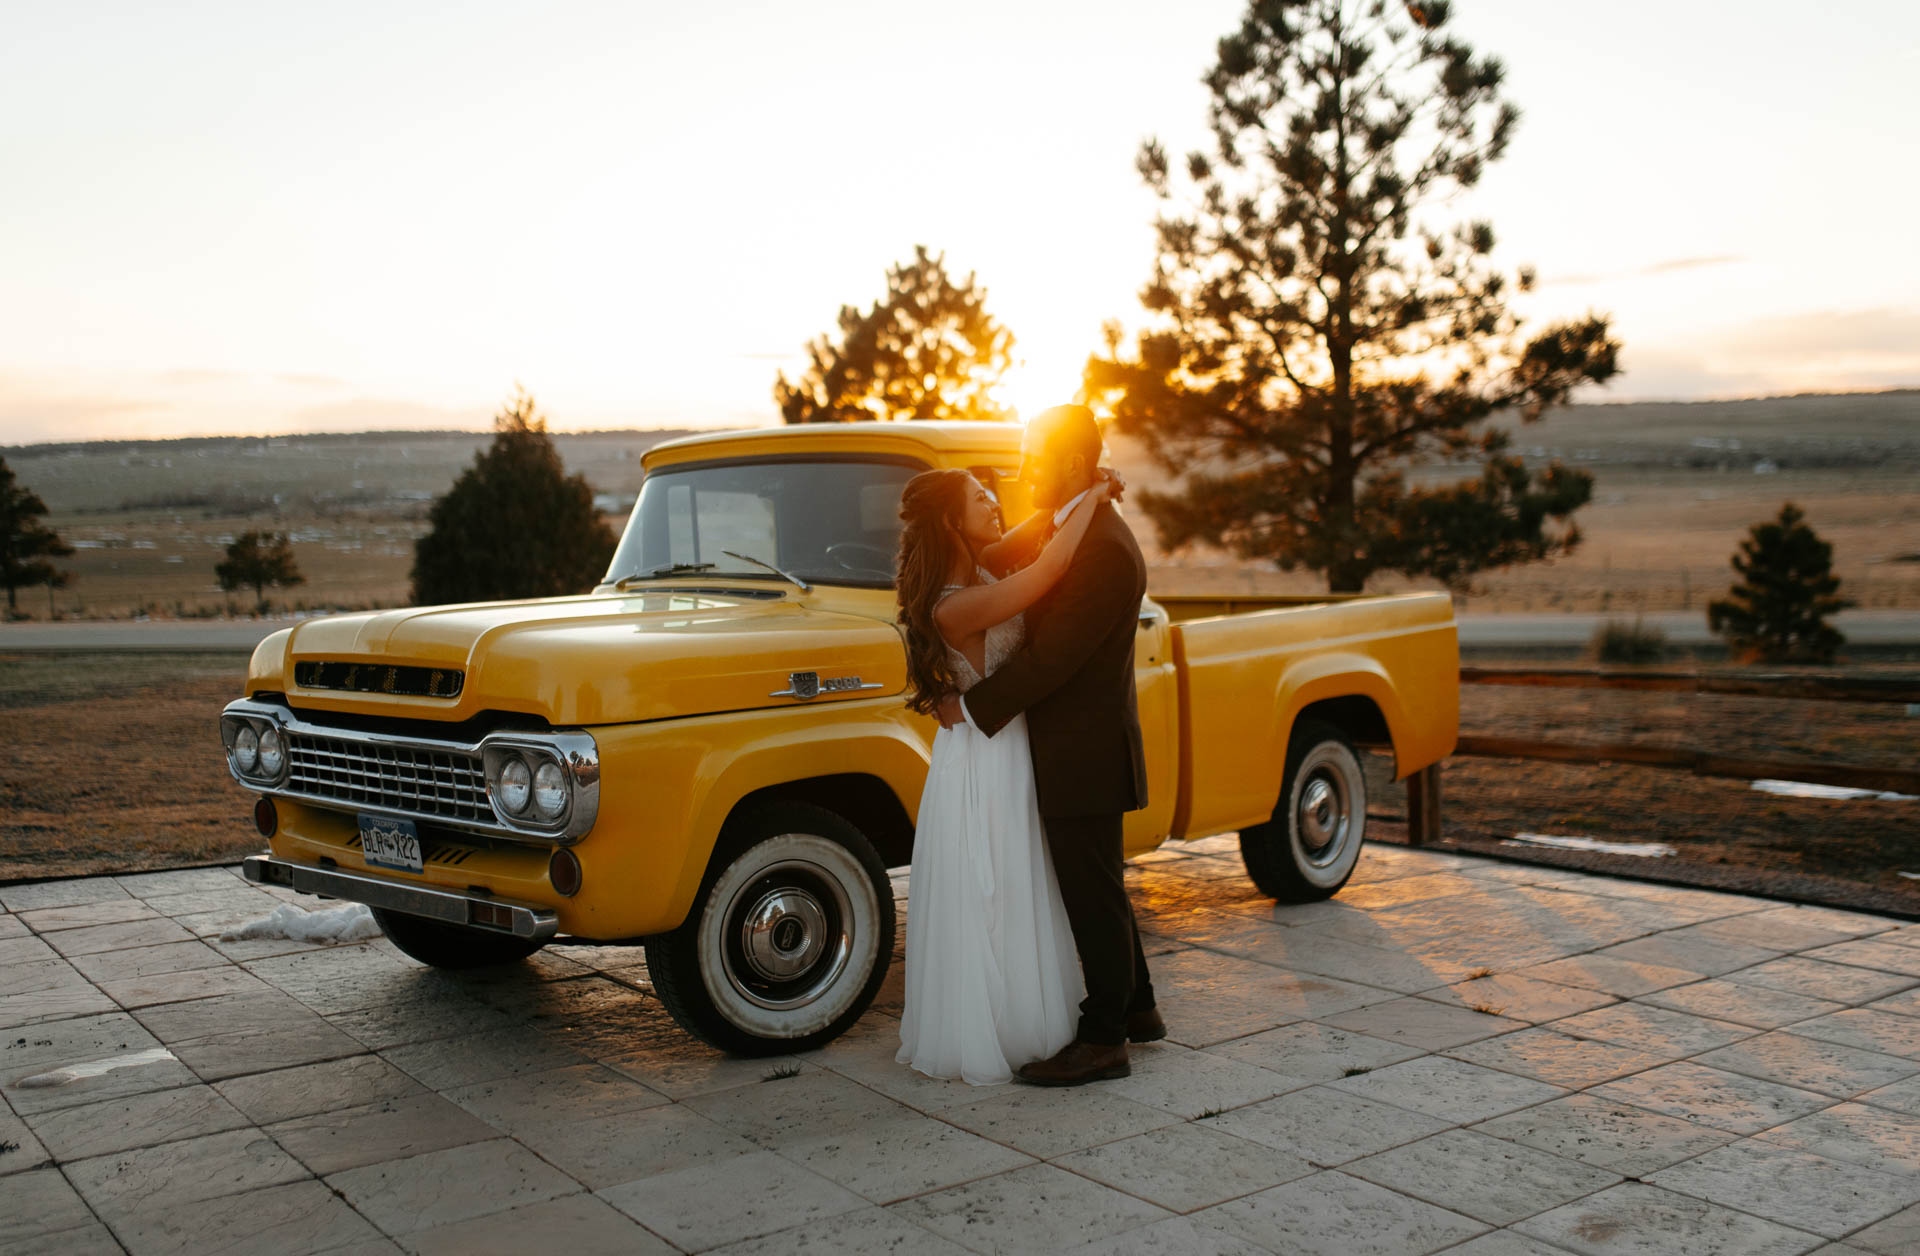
[{"x": 993, "y": 980}]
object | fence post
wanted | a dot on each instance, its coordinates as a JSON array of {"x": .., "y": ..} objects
[{"x": 1423, "y": 806}]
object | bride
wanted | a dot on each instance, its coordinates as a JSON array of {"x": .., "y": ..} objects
[{"x": 992, "y": 978}]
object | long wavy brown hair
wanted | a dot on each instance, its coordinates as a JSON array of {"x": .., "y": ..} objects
[{"x": 931, "y": 543}]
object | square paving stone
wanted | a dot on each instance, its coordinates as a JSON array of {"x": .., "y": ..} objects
[
  {"x": 1048, "y": 1121},
  {"x": 1187, "y": 1167},
  {"x": 39, "y": 990},
  {"x": 1188, "y": 1083},
  {"x": 1819, "y": 979},
  {"x": 92, "y": 1239},
  {"x": 556, "y": 1096},
  {"x": 1606, "y": 1133},
  {"x": 773, "y": 1112},
  {"x": 181, "y": 987},
  {"x": 38, "y": 1203},
  {"x": 1714, "y": 1097},
  {"x": 1372, "y": 896},
  {"x": 115, "y": 937},
  {"x": 1486, "y": 1178},
  {"x": 19, "y": 1149},
  {"x": 609, "y": 1150},
  {"x": 1808, "y": 1192},
  {"x": 680, "y": 1066},
  {"x": 393, "y": 1129},
  {"x": 1208, "y": 998},
  {"x": 1886, "y": 1032},
  {"x": 698, "y": 1208},
  {"x": 1451, "y": 1090},
  {"x": 1695, "y": 953},
  {"x": 1902, "y": 1096},
  {"x": 1656, "y": 1030},
  {"x": 180, "y": 881},
  {"x": 1612, "y": 974},
  {"x": 281, "y": 1095},
  {"x": 427, "y": 1013},
  {"x": 1781, "y": 929},
  {"x": 1311, "y": 951},
  {"x": 127, "y": 1185},
  {"x": 1633, "y": 1219},
  {"x": 1038, "y": 1209},
  {"x": 1757, "y": 1006},
  {"x": 106, "y": 911},
  {"x": 121, "y": 1056},
  {"x": 1906, "y": 1003},
  {"x": 1331, "y": 1212},
  {"x": 1423, "y": 1023},
  {"x": 147, "y": 961},
  {"x": 1311, "y": 1052},
  {"x": 441, "y": 1187},
  {"x": 1857, "y": 1132},
  {"x": 1885, "y": 957},
  {"x": 1176, "y": 1236},
  {"x": 39, "y": 894},
  {"x": 10, "y": 926},
  {"x": 297, "y": 1217},
  {"x": 1505, "y": 1243},
  {"x": 230, "y": 1035},
  {"x": 585, "y": 1224},
  {"x": 146, "y": 1120},
  {"x": 1898, "y": 1235},
  {"x": 1325, "y": 1126},
  {"x": 894, "y": 1157},
  {"x": 866, "y": 1055},
  {"x": 1547, "y": 1055},
  {"x": 1520, "y": 998},
  {"x": 444, "y": 1063},
  {"x": 1810, "y": 1064},
  {"x": 863, "y": 1232},
  {"x": 339, "y": 979}
]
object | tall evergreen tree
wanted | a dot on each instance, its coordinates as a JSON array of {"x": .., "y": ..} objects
[
  {"x": 928, "y": 349},
  {"x": 1314, "y": 335},
  {"x": 27, "y": 545},
  {"x": 256, "y": 560},
  {"x": 515, "y": 524},
  {"x": 1778, "y": 610}
]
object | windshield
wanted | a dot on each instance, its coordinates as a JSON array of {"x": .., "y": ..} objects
[{"x": 834, "y": 521}]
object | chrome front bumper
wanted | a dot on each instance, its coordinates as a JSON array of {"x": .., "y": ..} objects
[{"x": 478, "y": 911}]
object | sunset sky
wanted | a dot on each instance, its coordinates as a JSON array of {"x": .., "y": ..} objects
[{"x": 265, "y": 217}]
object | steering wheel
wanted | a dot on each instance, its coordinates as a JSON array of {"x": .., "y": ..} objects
[{"x": 860, "y": 559}]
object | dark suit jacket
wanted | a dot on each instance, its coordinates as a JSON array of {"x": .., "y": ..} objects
[{"x": 1075, "y": 681}]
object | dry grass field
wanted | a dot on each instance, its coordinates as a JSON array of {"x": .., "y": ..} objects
[{"x": 1676, "y": 487}]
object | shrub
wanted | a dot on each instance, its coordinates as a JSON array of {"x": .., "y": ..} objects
[{"x": 1616, "y": 641}]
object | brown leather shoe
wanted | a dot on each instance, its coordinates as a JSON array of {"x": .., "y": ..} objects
[
  {"x": 1075, "y": 1063},
  {"x": 1146, "y": 1026}
]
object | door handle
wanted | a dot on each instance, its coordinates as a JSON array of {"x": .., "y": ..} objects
[{"x": 1148, "y": 620}]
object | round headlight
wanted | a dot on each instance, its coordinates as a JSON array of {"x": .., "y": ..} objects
[
  {"x": 246, "y": 748},
  {"x": 272, "y": 759},
  {"x": 515, "y": 785},
  {"x": 550, "y": 790}
]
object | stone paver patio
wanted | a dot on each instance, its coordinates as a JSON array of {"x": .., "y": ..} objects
[{"x": 1454, "y": 1055}]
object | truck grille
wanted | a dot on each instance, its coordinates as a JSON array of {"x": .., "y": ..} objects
[{"x": 437, "y": 784}]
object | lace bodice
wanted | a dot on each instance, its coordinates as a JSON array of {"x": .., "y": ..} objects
[{"x": 1003, "y": 639}]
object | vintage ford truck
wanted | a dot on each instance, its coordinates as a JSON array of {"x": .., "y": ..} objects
[{"x": 710, "y": 752}]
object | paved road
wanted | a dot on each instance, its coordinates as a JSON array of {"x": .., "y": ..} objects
[
  {"x": 1518, "y": 1059},
  {"x": 1863, "y": 628}
]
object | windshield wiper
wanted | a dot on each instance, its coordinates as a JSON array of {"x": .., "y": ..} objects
[
  {"x": 761, "y": 562},
  {"x": 671, "y": 569}
]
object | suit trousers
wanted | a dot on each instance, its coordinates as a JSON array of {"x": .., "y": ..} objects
[{"x": 1087, "y": 861}]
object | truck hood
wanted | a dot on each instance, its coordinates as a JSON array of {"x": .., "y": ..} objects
[{"x": 597, "y": 659}]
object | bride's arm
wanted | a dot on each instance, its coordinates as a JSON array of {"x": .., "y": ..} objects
[
  {"x": 981, "y": 606},
  {"x": 1017, "y": 546}
]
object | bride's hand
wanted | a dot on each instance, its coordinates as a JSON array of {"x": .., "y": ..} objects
[{"x": 1112, "y": 482}]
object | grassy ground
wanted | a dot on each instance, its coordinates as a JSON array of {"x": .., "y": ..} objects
[{"x": 116, "y": 766}]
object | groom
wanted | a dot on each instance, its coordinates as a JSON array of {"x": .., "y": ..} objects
[{"x": 1075, "y": 681}]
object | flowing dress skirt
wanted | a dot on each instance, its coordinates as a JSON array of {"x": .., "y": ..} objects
[{"x": 993, "y": 980}]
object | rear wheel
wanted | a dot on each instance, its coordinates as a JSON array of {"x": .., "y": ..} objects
[
  {"x": 442, "y": 945},
  {"x": 1311, "y": 845},
  {"x": 789, "y": 940}
]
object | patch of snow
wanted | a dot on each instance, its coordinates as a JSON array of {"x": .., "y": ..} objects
[
  {"x": 1647, "y": 850},
  {"x": 349, "y": 922},
  {"x": 94, "y": 1068},
  {"x": 1911, "y": 876},
  {"x": 1804, "y": 789}
]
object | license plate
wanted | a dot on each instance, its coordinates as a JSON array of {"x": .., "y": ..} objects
[{"x": 390, "y": 843}]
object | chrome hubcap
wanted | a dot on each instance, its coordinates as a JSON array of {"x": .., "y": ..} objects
[
  {"x": 783, "y": 934},
  {"x": 1323, "y": 817}
]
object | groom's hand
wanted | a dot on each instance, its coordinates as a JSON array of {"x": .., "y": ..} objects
[{"x": 949, "y": 712}]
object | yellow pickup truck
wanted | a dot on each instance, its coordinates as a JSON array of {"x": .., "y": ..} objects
[{"x": 710, "y": 753}]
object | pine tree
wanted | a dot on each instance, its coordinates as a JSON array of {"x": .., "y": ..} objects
[
  {"x": 514, "y": 525},
  {"x": 257, "y": 560},
  {"x": 1314, "y": 335},
  {"x": 926, "y": 350},
  {"x": 27, "y": 545},
  {"x": 1778, "y": 610}
]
